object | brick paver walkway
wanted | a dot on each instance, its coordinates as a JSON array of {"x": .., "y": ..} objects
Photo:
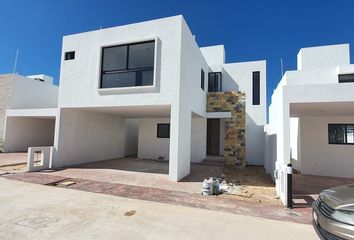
[{"x": 217, "y": 203}]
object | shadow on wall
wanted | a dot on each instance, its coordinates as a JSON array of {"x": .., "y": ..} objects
[
  {"x": 126, "y": 164},
  {"x": 228, "y": 82},
  {"x": 295, "y": 144},
  {"x": 270, "y": 152},
  {"x": 255, "y": 141}
]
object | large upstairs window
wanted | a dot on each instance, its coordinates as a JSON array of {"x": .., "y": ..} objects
[
  {"x": 128, "y": 65},
  {"x": 215, "y": 82},
  {"x": 345, "y": 78}
]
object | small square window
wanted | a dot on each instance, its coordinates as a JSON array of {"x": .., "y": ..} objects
[
  {"x": 163, "y": 130},
  {"x": 69, "y": 55}
]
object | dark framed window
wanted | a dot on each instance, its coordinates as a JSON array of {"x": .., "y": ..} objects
[
  {"x": 215, "y": 82},
  {"x": 163, "y": 130},
  {"x": 69, "y": 55},
  {"x": 128, "y": 65},
  {"x": 345, "y": 78},
  {"x": 202, "y": 77},
  {"x": 341, "y": 134},
  {"x": 256, "y": 88}
]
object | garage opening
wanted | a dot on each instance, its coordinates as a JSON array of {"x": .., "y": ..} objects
[
  {"x": 320, "y": 155},
  {"x": 24, "y": 132}
]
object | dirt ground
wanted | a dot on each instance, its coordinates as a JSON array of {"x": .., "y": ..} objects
[{"x": 256, "y": 182}]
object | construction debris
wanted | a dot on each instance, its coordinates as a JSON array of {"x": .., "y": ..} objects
[
  {"x": 65, "y": 183},
  {"x": 221, "y": 185},
  {"x": 130, "y": 213}
]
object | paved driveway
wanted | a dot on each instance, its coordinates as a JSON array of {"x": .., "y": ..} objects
[
  {"x": 31, "y": 211},
  {"x": 8, "y": 159},
  {"x": 307, "y": 187}
]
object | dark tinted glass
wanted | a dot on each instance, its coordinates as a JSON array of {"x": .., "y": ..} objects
[
  {"x": 341, "y": 133},
  {"x": 202, "y": 77},
  {"x": 256, "y": 88},
  {"x": 114, "y": 58},
  {"x": 344, "y": 78},
  {"x": 120, "y": 79},
  {"x": 350, "y": 134},
  {"x": 141, "y": 55},
  {"x": 127, "y": 79},
  {"x": 215, "y": 82},
  {"x": 128, "y": 65},
  {"x": 163, "y": 130},
  {"x": 69, "y": 55}
]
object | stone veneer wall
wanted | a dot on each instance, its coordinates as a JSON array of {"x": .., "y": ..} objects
[
  {"x": 5, "y": 101},
  {"x": 235, "y": 139}
]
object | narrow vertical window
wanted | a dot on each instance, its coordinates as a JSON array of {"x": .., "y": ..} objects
[
  {"x": 256, "y": 88},
  {"x": 202, "y": 77}
]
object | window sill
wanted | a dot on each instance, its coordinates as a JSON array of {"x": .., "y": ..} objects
[{"x": 126, "y": 90}]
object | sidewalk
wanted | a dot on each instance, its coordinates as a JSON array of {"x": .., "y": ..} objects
[{"x": 31, "y": 211}]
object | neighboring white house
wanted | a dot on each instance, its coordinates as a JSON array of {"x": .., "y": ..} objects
[
  {"x": 19, "y": 92},
  {"x": 142, "y": 89},
  {"x": 311, "y": 117}
]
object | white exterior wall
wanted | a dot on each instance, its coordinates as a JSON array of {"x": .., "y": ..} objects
[
  {"x": 84, "y": 71},
  {"x": 18, "y": 92},
  {"x": 295, "y": 143},
  {"x": 29, "y": 93},
  {"x": 323, "y": 57},
  {"x": 318, "y": 157},
  {"x": 45, "y": 78},
  {"x": 214, "y": 55},
  {"x": 24, "y": 132},
  {"x": 84, "y": 136},
  {"x": 151, "y": 147},
  {"x": 238, "y": 76},
  {"x": 199, "y": 139}
]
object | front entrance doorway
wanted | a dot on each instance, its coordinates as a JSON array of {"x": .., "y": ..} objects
[{"x": 213, "y": 137}]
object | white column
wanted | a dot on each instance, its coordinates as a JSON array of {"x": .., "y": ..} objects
[{"x": 180, "y": 143}]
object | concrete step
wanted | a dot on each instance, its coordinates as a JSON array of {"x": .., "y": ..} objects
[
  {"x": 212, "y": 163},
  {"x": 214, "y": 160}
]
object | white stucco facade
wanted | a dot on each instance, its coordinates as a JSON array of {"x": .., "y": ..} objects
[
  {"x": 20, "y": 92},
  {"x": 303, "y": 105},
  {"x": 95, "y": 123}
]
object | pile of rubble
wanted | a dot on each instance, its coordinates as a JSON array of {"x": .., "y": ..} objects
[{"x": 221, "y": 185}]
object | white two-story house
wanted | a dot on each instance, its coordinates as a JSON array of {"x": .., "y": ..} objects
[
  {"x": 311, "y": 117},
  {"x": 148, "y": 90}
]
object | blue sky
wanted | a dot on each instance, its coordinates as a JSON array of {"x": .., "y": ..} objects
[{"x": 250, "y": 30}]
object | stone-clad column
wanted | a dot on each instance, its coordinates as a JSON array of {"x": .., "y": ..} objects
[{"x": 234, "y": 139}]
